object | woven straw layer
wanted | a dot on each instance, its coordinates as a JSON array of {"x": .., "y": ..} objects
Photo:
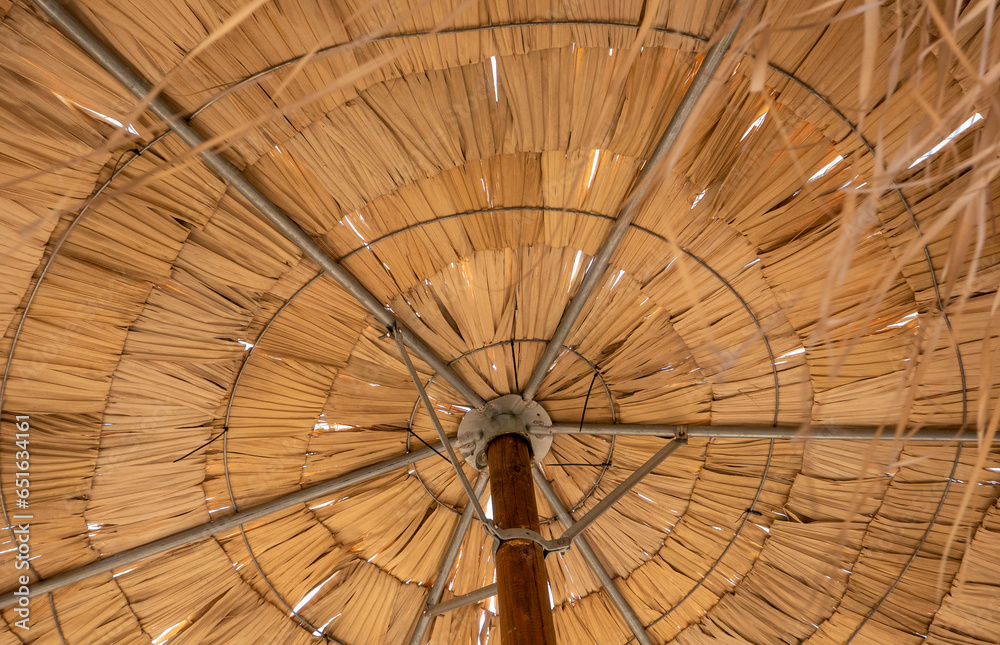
[{"x": 465, "y": 161}]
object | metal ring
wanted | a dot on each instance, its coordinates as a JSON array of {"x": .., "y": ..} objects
[
  {"x": 739, "y": 531},
  {"x": 607, "y": 390},
  {"x": 298, "y": 618},
  {"x": 548, "y": 209},
  {"x": 20, "y": 325}
]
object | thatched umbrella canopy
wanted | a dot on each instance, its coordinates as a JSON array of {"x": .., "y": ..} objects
[{"x": 816, "y": 249}]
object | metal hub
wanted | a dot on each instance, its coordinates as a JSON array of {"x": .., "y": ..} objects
[{"x": 504, "y": 415}]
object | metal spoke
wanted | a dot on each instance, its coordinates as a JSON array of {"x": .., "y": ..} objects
[
  {"x": 940, "y": 434},
  {"x": 194, "y": 534},
  {"x": 464, "y": 600},
  {"x": 630, "y": 208},
  {"x": 450, "y": 555},
  {"x": 609, "y": 500},
  {"x": 456, "y": 463},
  {"x": 163, "y": 108},
  {"x": 590, "y": 557}
]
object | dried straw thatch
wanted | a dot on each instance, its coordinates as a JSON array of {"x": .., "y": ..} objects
[{"x": 809, "y": 254}]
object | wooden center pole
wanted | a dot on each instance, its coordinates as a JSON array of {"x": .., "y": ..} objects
[{"x": 522, "y": 582}]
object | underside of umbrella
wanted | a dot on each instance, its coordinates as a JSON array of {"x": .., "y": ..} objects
[{"x": 460, "y": 322}]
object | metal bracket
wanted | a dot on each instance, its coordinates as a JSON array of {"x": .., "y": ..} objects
[
  {"x": 558, "y": 545},
  {"x": 508, "y": 414}
]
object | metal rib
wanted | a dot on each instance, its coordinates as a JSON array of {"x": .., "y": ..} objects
[
  {"x": 130, "y": 556},
  {"x": 746, "y": 518},
  {"x": 456, "y": 463},
  {"x": 162, "y": 108},
  {"x": 630, "y": 208},
  {"x": 581, "y": 543},
  {"x": 470, "y": 598},
  {"x": 941, "y": 434},
  {"x": 437, "y": 589},
  {"x": 609, "y": 500}
]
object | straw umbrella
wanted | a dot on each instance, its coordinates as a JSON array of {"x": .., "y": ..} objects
[{"x": 460, "y": 322}]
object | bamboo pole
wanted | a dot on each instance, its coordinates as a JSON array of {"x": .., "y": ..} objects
[{"x": 522, "y": 582}]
